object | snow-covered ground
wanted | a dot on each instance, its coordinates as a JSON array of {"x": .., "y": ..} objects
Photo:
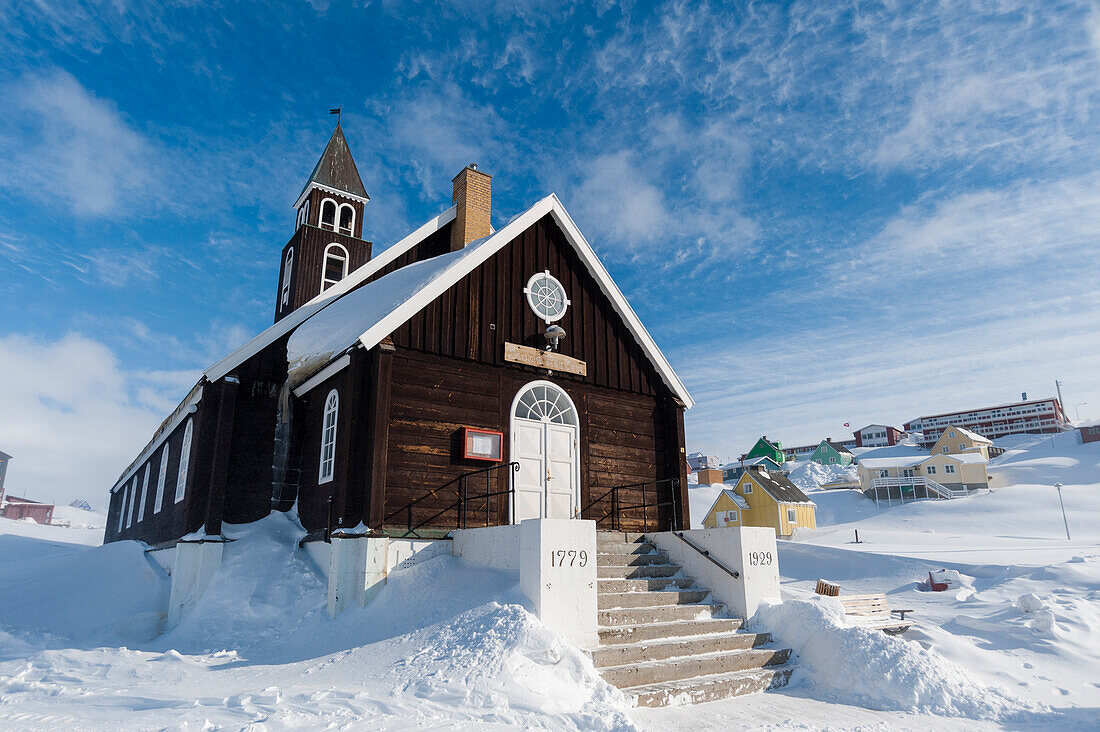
[{"x": 448, "y": 644}]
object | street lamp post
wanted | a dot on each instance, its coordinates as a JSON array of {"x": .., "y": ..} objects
[
  {"x": 1077, "y": 409},
  {"x": 1066, "y": 522}
]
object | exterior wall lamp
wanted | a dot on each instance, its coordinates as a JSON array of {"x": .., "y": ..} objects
[{"x": 554, "y": 334}]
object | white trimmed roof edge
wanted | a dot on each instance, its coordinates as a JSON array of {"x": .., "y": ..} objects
[
  {"x": 497, "y": 241},
  {"x": 311, "y": 308}
]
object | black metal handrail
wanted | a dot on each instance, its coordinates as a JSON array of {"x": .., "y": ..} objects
[
  {"x": 732, "y": 573},
  {"x": 463, "y": 498},
  {"x": 617, "y": 509}
]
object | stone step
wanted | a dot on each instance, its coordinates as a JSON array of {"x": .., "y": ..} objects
[
  {"x": 626, "y": 549},
  {"x": 638, "y": 633},
  {"x": 617, "y": 537},
  {"x": 618, "y": 655},
  {"x": 710, "y": 688},
  {"x": 678, "y": 669},
  {"x": 641, "y": 615},
  {"x": 643, "y": 585},
  {"x": 658, "y": 598},
  {"x": 627, "y": 571},
  {"x": 633, "y": 560}
]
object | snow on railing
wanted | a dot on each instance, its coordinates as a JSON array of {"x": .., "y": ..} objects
[{"x": 913, "y": 481}]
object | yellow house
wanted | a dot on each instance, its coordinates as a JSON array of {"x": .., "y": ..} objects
[
  {"x": 957, "y": 440},
  {"x": 939, "y": 475},
  {"x": 725, "y": 511},
  {"x": 763, "y": 498}
]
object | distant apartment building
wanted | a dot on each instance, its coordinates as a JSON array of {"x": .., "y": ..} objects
[
  {"x": 878, "y": 435},
  {"x": 1032, "y": 416}
]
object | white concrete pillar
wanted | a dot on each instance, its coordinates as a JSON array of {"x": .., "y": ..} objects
[
  {"x": 750, "y": 551},
  {"x": 192, "y": 569},
  {"x": 357, "y": 570},
  {"x": 558, "y": 574}
]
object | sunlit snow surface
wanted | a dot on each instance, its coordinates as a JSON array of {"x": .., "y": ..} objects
[{"x": 450, "y": 645}]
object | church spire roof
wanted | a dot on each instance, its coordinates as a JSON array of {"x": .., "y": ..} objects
[{"x": 336, "y": 169}]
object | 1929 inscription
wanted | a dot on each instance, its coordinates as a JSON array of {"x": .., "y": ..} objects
[
  {"x": 760, "y": 559},
  {"x": 568, "y": 558}
]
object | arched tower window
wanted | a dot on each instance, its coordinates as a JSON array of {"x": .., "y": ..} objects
[
  {"x": 328, "y": 438},
  {"x": 185, "y": 462},
  {"x": 347, "y": 219},
  {"x": 328, "y": 214},
  {"x": 303, "y": 215},
  {"x": 335, "y": 265},
  {"x": 288, "y": 271}
]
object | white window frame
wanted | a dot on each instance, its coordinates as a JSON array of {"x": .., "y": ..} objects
[
  {"x": 124, "y": 495},
  {"x": 832, "y": 461},
  {"x": 962, "y": 446},
  {"x": 949, "y": 468},
  {"x": 350, "y": 231},
  {"x": 132, "y": 491},
  {"x": 884, "y": 473},
  {"x": 326, "y": 465},
  {"x": 792, "y": 516},
  {"x": 531, "y": 294},
  {"x": 930, "y": 469},
  {"x": 288, "y": 273},
  {"x": 746, "y": 489},
  {"x": 951, "y": 433},
  {"x": 946, "y": 449},
  {"x": 159, "y": 502},
  {"x": 335, "y": 215},
  {"x": 325, "y": 281},
  {"x": 144, "y": 493},
  {"x": 185, "y": 461}
]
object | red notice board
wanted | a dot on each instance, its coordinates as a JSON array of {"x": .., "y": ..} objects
[{"x": 478, "y": 444}]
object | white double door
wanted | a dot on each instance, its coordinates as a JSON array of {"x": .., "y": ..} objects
[{"x": 546, "y": 485}]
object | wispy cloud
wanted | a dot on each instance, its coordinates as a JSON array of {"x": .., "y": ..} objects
[{"x": 64, "y": 143}]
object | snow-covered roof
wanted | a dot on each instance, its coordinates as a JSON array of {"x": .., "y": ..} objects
[
  {"x": 738, "y": 500},
  {"x": 906, "y": 461},
  {"x": 395, "y": 298},
  {"x": 759, "y": 460},
  {"x": 320, "y": 301},
  {"x": 972, "y": 435}
]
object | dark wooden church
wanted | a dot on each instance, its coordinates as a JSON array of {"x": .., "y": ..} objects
[{"x": 464, "y": 377}]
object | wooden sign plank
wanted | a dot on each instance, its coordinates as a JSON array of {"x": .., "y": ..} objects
[{"x": 539, "y": 358}]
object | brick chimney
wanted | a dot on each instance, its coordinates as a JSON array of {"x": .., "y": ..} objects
[{"x": 472, "y": 198}]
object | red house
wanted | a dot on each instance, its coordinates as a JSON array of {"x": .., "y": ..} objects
[
  {"x": 21, "y": 508},
  {"x": 1090, "y": 431}
]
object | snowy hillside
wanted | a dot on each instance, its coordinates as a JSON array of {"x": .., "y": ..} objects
[{"x": 449, "y": 644}]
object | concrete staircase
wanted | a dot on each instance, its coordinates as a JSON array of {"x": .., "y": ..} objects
[{"x": 663, "y": 641}]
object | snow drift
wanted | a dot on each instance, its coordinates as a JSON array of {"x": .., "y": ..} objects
[{"x": 867, "y": 667}]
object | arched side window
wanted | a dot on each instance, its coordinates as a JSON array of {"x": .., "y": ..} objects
[
  {"x": 121, "y": 507},
  {"x": 303, "y": 215},
  {"x": 185, "y": 462},
  {"x": 132, "y": 492},
  {"x": 335, "y": 267},
  {"x": 144, "y": 494},
  {"x": 328, "y": 214},
  {"x": 328, "y": 438},
  {"x": 347, "y": 219},
  {"x": 159, "y": 502},
  {"x": 288, "y": 272}
]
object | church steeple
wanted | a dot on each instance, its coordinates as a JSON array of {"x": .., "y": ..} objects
[
  {"x": 328, "y": 239},
  {"x": 336, "y": 170}
]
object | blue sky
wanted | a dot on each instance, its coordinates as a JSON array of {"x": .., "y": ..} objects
[{"x": 850, "y": 213}]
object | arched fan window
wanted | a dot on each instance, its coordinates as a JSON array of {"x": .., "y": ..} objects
[
  {"x": 288, "y": 271},
  {"x": 328, "y": 438},
  {"x": 336, "y": 265},
  {"x": 328, "y": 214},
  {"x": 546, "y": 403},
  {"x": 347, "y": 219},
  {"x": 185, "y": 462}
]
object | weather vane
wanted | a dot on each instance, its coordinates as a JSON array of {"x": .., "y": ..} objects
[{"x": 336, "y": 111}]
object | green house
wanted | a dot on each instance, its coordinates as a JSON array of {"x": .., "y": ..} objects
[
  {"x": 830, "y": 453},
  {"x": 764, "y": 448}
]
